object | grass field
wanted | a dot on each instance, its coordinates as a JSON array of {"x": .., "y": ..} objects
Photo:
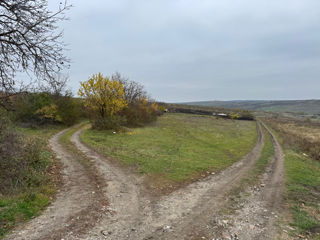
[
  {"x": 178, "y": 147},
  {"x": 303, "y": 193},
  {"x": 27, "y": 203}
]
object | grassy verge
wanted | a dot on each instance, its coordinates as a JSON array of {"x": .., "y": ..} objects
[
  {"x": 302, "y": 176},
  {"x": 178, "y": 147},
  {"x": 23, "y": 204},
  {"x": 303, "y": 193}
]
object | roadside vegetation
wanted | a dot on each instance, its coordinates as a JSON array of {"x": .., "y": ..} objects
[
  {"x": 28, "y": 174},
  {"x": 302, "y": 135},
  {"x": 303, "y": 193},
  {"x": 43, "y": 108},
  {"x": 302, "y": 166},
  {"x": 28, "y": 171},
  {"x": 177, "y": 148}
]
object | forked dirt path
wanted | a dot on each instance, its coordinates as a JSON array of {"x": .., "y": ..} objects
[
  {"x": 77, "y": 207},
  {"x": 139, "y": 216},
  {"x": 132, "y": 213}
]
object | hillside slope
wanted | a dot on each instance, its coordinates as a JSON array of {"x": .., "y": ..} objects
[{"x": 294, "y": 106}]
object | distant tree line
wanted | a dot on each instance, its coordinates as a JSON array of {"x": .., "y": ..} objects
[{"x": 222, "y": 113}]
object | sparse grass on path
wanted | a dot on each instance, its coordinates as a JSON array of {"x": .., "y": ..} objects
[
  {"x": 65, "y": 141},
  {"x": 178, "y": 147},
  {"x": 253, "y": 176},
  {"x": 260, "y": 166},
  {"x": 28, "y": 203}
]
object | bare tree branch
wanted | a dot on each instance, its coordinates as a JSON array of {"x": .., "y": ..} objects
[
  {"x": 134, "y": 91},
  {"x": 30, "y": 42}
]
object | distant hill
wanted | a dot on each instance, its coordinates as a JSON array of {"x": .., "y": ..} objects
[{"x": 293, "y": 106}]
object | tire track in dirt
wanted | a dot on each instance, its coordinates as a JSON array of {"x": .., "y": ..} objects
[
  {"x": 124, "y": 192},
  {"x": 272, "y": 195},
  {"x": 77, "y": 207},
  {"x": 258, "y": 214},
  {"x": 78, "y": 213},
  {"x": 139, "y": 216},
  {"x": 199, "y": 220}
]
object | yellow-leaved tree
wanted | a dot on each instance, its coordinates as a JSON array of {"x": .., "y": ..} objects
[{"x": 104, "y": 97}]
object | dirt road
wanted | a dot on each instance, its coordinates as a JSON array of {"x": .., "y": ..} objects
[
  {"x": 77, "y": 207},
  {"x": 257, "y": 215},
  {"x": 188, "y": 213}
]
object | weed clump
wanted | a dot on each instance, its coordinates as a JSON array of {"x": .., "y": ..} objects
[{"x": 22, "y": 164}]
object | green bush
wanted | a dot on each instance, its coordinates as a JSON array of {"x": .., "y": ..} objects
[
  {"x": 43, "y": 108},
  {"x": 68, "y": 109},
  {"x": 26, "y": 106},
  {"x": 111, "y": 122},
  {"x": 234, "y": 116},
  {"x": 246, "y": 115},
  {"x": 140, "y": 113}
]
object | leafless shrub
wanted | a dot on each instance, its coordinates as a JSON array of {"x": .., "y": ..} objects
[
  {"x": 141, "y": 109},
  {"x": 134, "y": 91}
]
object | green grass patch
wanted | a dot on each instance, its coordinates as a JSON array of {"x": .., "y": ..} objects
[
  {"x": 25, "y": 203},
  {"x": 42, "y": 132},
  {"x": 65, "y": 140},
  {"x": 20, "y": 208},
  {"x": 178, "y": 147},
  {"x": 303, "y": 192}
]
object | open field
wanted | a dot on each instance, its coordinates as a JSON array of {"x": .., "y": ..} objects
[
  {"x": 19, "y": 206},
  {"x": 102, "y": 196},
  {"x": 178, "y": 147},
  {"x": 176, "y": 156},
  {"x": 149, "y": 152}
]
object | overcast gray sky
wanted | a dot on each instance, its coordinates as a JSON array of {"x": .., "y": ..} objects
[{"x": 190, "y": 50}]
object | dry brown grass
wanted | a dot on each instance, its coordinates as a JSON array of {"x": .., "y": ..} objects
[{"x": 301, "y": 135}]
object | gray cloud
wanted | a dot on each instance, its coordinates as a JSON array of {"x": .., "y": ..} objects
[{"x": 184, "y": 50}]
